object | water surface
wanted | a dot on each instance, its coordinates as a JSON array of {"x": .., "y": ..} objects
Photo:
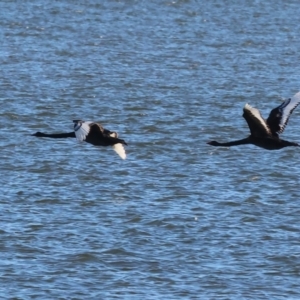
[{"x": 178, "y": 219}]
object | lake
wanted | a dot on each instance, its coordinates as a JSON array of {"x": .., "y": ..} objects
[{"x": 178, "y": 219}]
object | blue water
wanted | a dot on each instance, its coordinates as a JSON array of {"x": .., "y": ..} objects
[{"x": 178, "y": 219}]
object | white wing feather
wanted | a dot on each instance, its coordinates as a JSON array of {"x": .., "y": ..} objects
[
  {"x": 119, "y": 148},
  {"x": 82, "y": 131},
  {"x": 256, "y": 114},
  {"x": 287, "y": 108}
]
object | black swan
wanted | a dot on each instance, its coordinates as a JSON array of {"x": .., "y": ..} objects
[
  {"x": 265, "y": 133},
  {"x": 92, "y": 133}
]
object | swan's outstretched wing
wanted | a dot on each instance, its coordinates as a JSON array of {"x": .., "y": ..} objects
[
  {"x": 82, "y": 129},
  {"x": 119, "y": 148},
  {"x": 95, "y": 134},
  {"x": 256, "y": 123},
  {"x": 280, "y": 115}
]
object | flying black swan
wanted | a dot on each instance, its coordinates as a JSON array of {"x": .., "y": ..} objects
[
  {"x": 265, "y": 133},
  {"x": 92, "y": 133}
]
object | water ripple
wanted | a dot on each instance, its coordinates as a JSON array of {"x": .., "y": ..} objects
[{"x": 178, "y": 218}]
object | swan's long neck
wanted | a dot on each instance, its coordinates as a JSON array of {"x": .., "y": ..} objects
[
  {"x": 234, "y": 143},
  {"x": 287, "y": 143},
  {"x": 56, "y": 135}
]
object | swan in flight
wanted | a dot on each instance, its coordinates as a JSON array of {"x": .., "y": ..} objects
[
  {"x": 93, "y": 133},
  {"x": 265, "y": 133}
]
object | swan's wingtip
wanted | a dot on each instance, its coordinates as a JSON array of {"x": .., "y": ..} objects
[
  {"x": 123, "y": 156},
  {"x": 120, "y": 150}
]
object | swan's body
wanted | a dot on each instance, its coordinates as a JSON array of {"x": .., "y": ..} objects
[
  {"x": 92, "y": 133},
  {"x": 265, "y": 133}
]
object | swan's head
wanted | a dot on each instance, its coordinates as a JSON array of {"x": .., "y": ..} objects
[{"x": 213, "y": 143}]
